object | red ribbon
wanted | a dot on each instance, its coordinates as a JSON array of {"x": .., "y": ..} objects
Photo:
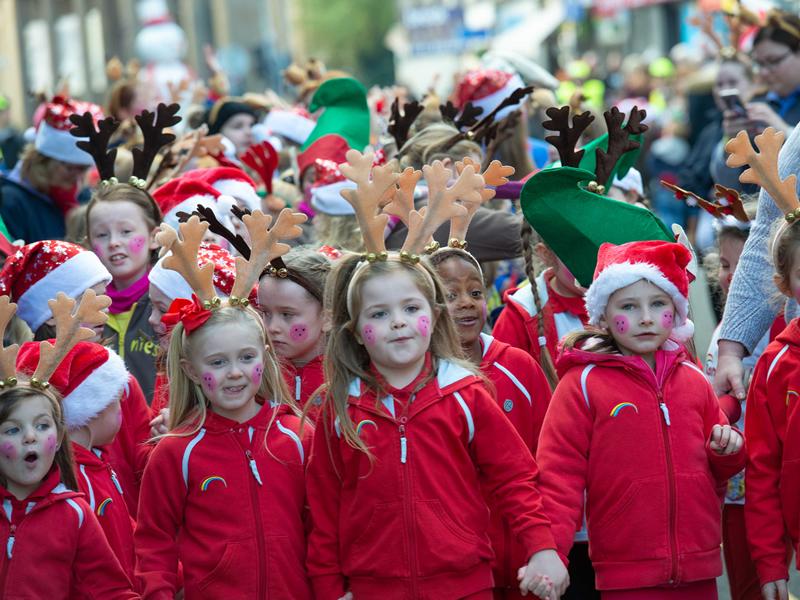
[{"x": 189, "y": 312}]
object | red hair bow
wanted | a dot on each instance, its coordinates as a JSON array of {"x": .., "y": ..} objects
[{"x": 189, "y": 312}]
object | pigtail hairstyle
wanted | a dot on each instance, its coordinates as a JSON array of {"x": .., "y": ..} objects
[
  {"x": 346, "y": 359},
  {"x": 545, "y": 360}
]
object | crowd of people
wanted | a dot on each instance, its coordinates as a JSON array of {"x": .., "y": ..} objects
[{"x": 362, "y": 345}]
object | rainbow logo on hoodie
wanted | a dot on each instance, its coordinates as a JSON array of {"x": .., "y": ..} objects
[
  {"x": 101, "y": 510},
  {"x": 363, "y": 424},
  {"x": 618, "y": 408},
  {"x": 209, "y": 480}
]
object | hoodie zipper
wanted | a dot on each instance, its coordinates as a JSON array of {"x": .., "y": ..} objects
[
  {"x": 408, "y": 505},
  {"x": 255, "y": 481}
]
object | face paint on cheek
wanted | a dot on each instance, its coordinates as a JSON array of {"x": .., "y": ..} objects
[
  {"x": 8, "y": 451},
  {"x": 137, "y": 244},
  {"x": 667, "y": 320},
  {"x": 298, "y": 333},
  {"x": 50, "y": 444},
  {"x": 368, "y": 333},
  {"x": 424, "y": 325},
  {"x": 97, "y": 249},
  {"x": 256, "y": 374},
  {"x": 209, "y": 382},
  {"x": 621, "y": 324}
]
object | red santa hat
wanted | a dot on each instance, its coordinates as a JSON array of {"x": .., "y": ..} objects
[
  {"x": 229, "y": 181},
  {"x": 89, "y": 379},
  {"x": 53, "y": 138},
  {"x": 36, "y": 273},
  {"x": 328, "y": 147},
  {"x": 174, "y": 286},
  {"x": 486, "y": 89},
  {"x": 185, "y": 193},
  {"x": 663, "y": 264}
]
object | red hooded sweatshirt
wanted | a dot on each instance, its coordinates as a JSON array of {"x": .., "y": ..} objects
[
  {"x": 229, "y": 507},
  {"x": 53, "y": 548},
  {"x": 100, "y": 486},
  {"x": 522, "y": 392},
  {"x": 413, "y": 522},
  {"x": 637, "y": 442},
  {"x": 128, "y": 452},
  {"x": 304, "y": 381},
  {"x": 772, "y": 477},
  {"x": 518, "y": 324}
]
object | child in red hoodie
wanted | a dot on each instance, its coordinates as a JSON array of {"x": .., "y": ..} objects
[
  {"x": 635, "y": 424},
  {"x": 518, "y": 385},
  {"x": 290, "y": 296},
  {"x": 92, "y": 380},
  {"x": 407, "y": 442},
  {"x": 224, "y": 490}
]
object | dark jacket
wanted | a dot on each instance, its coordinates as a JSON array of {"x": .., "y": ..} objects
[
  {"x": 139, "y": 346},
  {"x": 28, "y": 214}
]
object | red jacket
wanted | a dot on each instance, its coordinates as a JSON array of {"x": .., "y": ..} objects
[
  {"x": 303, "y": 381},
  {"x": 53, "y": 548},
  {"x": 413, "y": 523},
  {"x": 772, "y": 477},
  {"x": 522, "y": 391},
  {"x": 636, "y": 441},
  {"x": 128, "y": 452},
  {"x": 518, "y": 324},
  {"x": 101, "y": 488},
  {"x": 229, "y": 507}
]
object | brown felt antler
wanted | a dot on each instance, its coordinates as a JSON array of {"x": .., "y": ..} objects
[
  {"x": 495, "y": 174},
  {"x": 728, "y": 203},
  {"x": 568, "y": 137},
  {"x": 97, "y": 145},
  {"x": 372, "y": 185},
  {"x": 184, "y": 258},
  {"x": 467, "y": 117},
  {"x": 263, "y": 160},
  {"x": 8, "y": 355},
  {"x": 620, "y": 140},
  {"x": 152, "y": 127},
  {"x": 401, "y": 202},
  {"x": 400, "y": 124},
  {"x": 266, "y": 247},
  {"x": 443, "y": 203},
  {"x": 481, "y": 129},
  {"x": 206, "y": 214},
  {"x": 69, "y": 330},
  {"x": 500, "y": 132},
  {"x": 763, "y": 167}
]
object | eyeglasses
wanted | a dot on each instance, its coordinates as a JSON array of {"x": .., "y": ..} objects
[{"x": 766, "y": 64}]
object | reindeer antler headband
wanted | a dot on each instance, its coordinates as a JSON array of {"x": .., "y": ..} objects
[
  {"x": 69, "y": 331},
  {"x": 727, "y": 202},
  {"x": 152, "y": 126}
]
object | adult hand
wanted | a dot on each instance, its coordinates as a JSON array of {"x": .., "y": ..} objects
[
  {"x": 733, "y": 123},
  {"x": 730, "y": 371},
  {"x": 761, "y": 112},
  {"x": 775, "y": 590}
]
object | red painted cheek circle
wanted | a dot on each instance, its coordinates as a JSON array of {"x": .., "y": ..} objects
[
  {"x": 298, "y": 333},
  {"x": 424, "y": 325},
  {"x": 667, "y": 320},
  {"x": 368, "y": 333},
  {"x": 257, "y": 373},
  {"x": 137, "y": 244},
  {"x": 209, "y": 382},
  {"x": 621, "y": 324}
]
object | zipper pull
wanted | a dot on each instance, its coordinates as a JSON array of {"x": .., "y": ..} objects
[
  {"x": 10, "y": 543},
  {"x": 298, "y": 387},
  {"x": 665, "y": 411},
  {"x": 253, "y": 467},
  {"x": 403, "y": 441},
  {"x": 116, "y": 482}
]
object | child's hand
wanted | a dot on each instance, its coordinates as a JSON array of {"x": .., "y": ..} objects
[
  {"x": 347, "y": 596},
  {"x": 158, "y": 426},
  {"x": 775, "y": 590},
  {"x": 725, "y": 440},
  {"x": 540, "y": 586},
  {"x": 547, "y": 563}
]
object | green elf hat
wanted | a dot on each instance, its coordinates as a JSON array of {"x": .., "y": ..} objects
[
  {"x": 346, "y": 113},
  {"x": 566, "y": 205}
]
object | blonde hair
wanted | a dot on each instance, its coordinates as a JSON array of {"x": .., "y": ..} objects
[
  {"x": 346, "y": 359},
  {"x": 432, "y": 143},
  {"x": 188, "y": 404},
  {"x": 36, "y": 168},
  {"x": 339, "y": 231}
]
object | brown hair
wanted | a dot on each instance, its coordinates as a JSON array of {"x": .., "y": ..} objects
[
  {"x": 11, "y": 398},
  {"x": 124, "y": 192},
  {"x": 781, "y": 28},
  {"x": 430, "y": 144},
  {"x": 784, "y": 246},
  {"x": 339, "y": 231},
  {"x": 545, "y": 360},
  {"x": 36, "y": 168},
  {"x": 312, "y": 266},
  {"x": 346, "y": 359}
]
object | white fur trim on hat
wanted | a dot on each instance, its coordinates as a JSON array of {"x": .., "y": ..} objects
[
  {"x": 239, "y": 190},
  {"x": 620, "y": 275},
  {"x": 171, "y": 283},
  {"x": 73, "y": 277},
  {"x": 61, "y": 145},
  {"x": 188, "y": 206},
  {"x": 632, "y": 182},
  {"x": 328, "y": 199},
  {"x": 492, "y": 101},
  {"x": 290, "y": 125},
  {"x": 104, "y": 385}
]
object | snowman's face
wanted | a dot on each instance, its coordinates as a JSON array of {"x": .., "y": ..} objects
[{"x": 162, "y": 43}]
